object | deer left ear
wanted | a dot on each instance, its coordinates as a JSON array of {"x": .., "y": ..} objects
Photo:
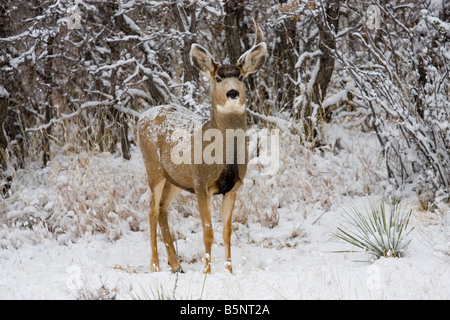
[
  {"x": 252, "y": 60},
  {"x": 203, "y": 60}
]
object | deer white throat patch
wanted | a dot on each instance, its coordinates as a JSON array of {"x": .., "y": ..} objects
[{"x": 231, "y": 106}]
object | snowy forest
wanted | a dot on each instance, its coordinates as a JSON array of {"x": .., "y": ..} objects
[{"x": 359, "y": 90}]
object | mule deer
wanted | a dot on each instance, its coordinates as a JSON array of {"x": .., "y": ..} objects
[{"x": 157, "y": 128}]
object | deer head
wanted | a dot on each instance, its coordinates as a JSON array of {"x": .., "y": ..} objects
[{"x": 228, "y": 90}]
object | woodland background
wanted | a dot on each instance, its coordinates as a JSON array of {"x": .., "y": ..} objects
[{"x": 68, "y": 87}]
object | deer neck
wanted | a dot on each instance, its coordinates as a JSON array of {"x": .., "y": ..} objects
[{"x": 228, "y": 117}]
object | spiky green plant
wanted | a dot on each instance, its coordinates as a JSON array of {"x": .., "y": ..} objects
[{"x": 382, "y": 232}]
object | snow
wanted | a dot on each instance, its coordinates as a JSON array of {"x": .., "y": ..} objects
[
  {"x": 3, "y": 92},
  {"x": 307, "y": 270},
  {"x": 132, "y": 25},
  {"x": 283, "y": 245}
]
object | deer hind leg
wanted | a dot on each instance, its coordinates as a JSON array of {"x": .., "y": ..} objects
[
  {"x": 227, "y": 212},
  {"x": 204, "y": 206},
  {"x": 157, "y": 190},
  {"x": 169, "y": 193}
]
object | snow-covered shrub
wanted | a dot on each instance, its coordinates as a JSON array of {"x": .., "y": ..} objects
[
  {"x": 404, "y": 88},
  {"x": 104, "y": 193},
  {"x": 86, "y": 193},
  {"x": 76, "y": 195},
  {"x": 350, "y": 163},
  {"x": 381, "y": 232}
]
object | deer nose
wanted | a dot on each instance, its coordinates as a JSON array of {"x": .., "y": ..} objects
[{"x": 233, "y": 94}]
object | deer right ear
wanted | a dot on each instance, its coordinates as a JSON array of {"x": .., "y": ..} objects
[
  {"x": 203, "y": 60},
  {"x": 253, "y": 59}
]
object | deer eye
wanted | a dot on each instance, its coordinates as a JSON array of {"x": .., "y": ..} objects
[{"x": 218, "y": 79}]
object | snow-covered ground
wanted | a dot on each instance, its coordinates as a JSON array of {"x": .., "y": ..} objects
[
  {"x": 306, "y": 268},
  {"x": 78, "y": 230}
]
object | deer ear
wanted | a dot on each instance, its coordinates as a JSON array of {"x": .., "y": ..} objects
[
  {"x": 203, "y": 60},
  {"x": 253, "y": 59}
]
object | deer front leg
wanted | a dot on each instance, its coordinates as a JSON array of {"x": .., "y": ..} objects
[
  {"x": 153, "y": 221},
  {"x": 227, "y": 212},
  {"x": 204, "y": 206}
]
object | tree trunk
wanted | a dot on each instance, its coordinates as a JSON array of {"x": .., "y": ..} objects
[
  {"x": 234, "y": 14},
  {"x": 285, "y": 57},
  {"x": 328, "y": 24},
  {"x": 3, "y": 140},
  {"x": 48, "y": 80},
  {"x": 189, "y": 37}
]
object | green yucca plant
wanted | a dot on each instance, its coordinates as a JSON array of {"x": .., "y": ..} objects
[{"x": 381, "y": 232}]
